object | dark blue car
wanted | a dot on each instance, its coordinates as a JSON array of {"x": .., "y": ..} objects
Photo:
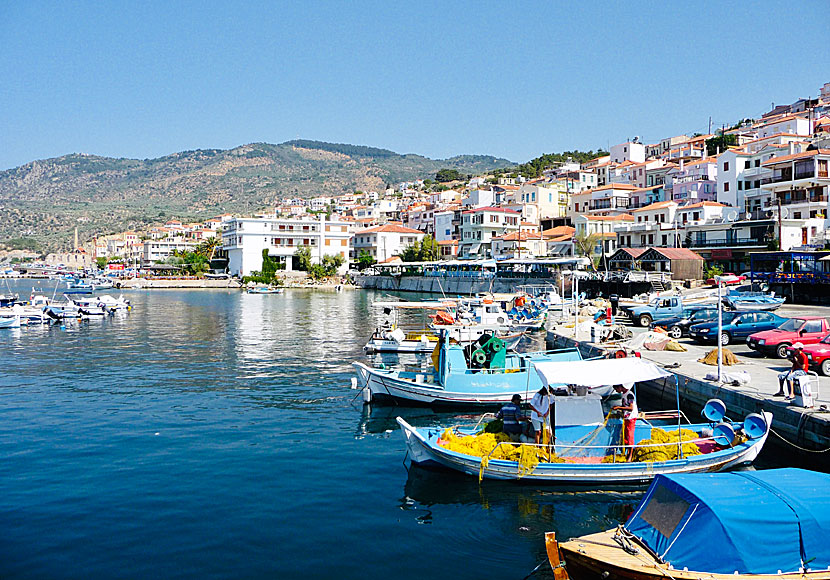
[
  {"x": 678, "y": 327},
  {"x": 736, "y": 326}
]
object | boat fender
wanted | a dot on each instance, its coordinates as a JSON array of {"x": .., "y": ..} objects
[
  {"x": 620, "y": 354},
  {"x": 501, "y": 320}
]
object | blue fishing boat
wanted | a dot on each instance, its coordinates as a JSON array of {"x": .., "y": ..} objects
[
  {"x": 753, "y": 301},
  {"x": 587, "y": 448},
  {"x": 480, "y": 374},
  {"x": 748, "y": 524}
]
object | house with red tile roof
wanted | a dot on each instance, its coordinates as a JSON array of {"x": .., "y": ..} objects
[{"x": 384, "y": 242}]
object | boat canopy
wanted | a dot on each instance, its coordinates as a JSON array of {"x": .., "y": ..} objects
[
  {"x": 596, "y": 373},
  {"x": 760, "y": 522}
]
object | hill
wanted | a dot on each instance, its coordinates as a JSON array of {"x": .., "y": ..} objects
[{"x": 43, "y": 201}]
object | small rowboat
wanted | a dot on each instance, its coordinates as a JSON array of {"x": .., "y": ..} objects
[{"x": 725, "y": 526}]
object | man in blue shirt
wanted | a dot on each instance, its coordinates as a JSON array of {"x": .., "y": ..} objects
[{"x": 511, "y": 414}]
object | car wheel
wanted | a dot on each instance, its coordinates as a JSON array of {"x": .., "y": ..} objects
[
  {"x": 825, "y": 367},
  {"x": 782, "y": 350},
  {"x": 724, "y": 338},
  {"x": 675, "y": 332},
  {"x": 645, "y": 320}
]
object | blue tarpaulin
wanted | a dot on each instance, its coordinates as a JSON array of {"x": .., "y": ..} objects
[{"x": 750, "y": 522}]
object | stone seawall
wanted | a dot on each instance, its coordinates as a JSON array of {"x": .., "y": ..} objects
[
  {"x": 805, "y": 428},
  {"x": 142, "y": 283}
]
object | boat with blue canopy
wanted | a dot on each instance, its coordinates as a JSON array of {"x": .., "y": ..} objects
[
  {"x": 746, "y": 524},
  {"x": 753, "y": 301},
  {"x": 587, "y": 447}
]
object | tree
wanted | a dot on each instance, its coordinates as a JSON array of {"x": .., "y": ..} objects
[
  {"x": 303, "y": 255},
  {"x": 445, "y": 175},
  {"x": 101, "y": 262},
  {"x": 585, "y": 245},
  {"x": 364, "y": 260},
  {"x": 421, "y": 251},
  {"x": 720, "y": 143}
]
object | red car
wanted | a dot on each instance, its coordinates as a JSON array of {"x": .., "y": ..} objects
[
  {"x": 728, "y": 278},
  {"x": 803, "y": 329},
  {"x": 819, "y": 355}
]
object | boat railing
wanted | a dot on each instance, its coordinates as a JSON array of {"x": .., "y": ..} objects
[{"x": 618, "y": 448}]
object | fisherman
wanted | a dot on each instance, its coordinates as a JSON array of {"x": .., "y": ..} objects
[
  {"x": 511, "y": 414},
  {"x": 539, "y": 413},
  {"x": 799, "y": 368},
  {"x": 629, "y": 411}
]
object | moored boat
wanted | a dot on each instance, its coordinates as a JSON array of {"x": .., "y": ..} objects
[
  {"x": 481, "y": 374},
  {"x": 753, "y": 301},
  {"x": 265, "y": 290},
  {"x": 740, "y": 525},
  {"x": 586, "y": 448}
]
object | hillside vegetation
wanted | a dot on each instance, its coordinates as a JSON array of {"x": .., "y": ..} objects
[{"x": 43, "y": 201}]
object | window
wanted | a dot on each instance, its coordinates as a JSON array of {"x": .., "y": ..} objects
[
  {"x": 651, "y": 239},
  {"x": 757, "y": 163},
  {"x": 665, "y": 240},
  {"x": 726, "y": 166},
  {"x": 740, "y": 186},
  {"x": 726, "y": 186},
  {"x": 812, "y": 326},
  {"x": 747, "y": 164}
]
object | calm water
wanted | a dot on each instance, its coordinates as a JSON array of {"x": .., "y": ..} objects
[{"x": 213, "y": 434}]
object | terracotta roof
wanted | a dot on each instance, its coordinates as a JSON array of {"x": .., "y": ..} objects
[
  {"x": 559, "y": 231},
  {"x": 657, "y": 205},
  {"x": 610, "y": 218},
  {"x": 803, "y": 155},
  {"x": 702, "y": 204},
  {"x": 625, "y": 186},
  {"x": 390, "y": 229},
  {"x": 448, "y": 243},
  {"x": 633, "y": 252},
  {"x": 492, "y": 209},
  {"x": 392, "y": 259},
  {"x": 678, "y": 253},
  {"x": 519, "y": 236}
]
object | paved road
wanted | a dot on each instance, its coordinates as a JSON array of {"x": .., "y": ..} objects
[{"x": 763, "y": 371}]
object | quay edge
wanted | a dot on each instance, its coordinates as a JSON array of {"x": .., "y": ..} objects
[{"x": 804, "y": 428}]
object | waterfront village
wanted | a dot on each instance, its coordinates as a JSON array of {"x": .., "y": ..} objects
[
  {"x": 636, "y": 231},
  {"x": 761, "y": 185}
]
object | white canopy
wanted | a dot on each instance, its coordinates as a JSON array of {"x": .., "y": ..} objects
[{"x": 595, "y": 373}]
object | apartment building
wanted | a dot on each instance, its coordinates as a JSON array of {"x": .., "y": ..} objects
[
  {"x": 480, "y": 225},
  {"x": 384, "y": 242},
  {"x": 244, "y": 239}
]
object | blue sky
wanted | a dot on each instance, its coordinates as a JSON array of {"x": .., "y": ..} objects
[{"x": 512, "y": 79}]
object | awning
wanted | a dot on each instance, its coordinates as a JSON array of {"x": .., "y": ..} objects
[{"x": 596, "y": 373}]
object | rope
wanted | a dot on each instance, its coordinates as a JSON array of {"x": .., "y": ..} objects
[{"x": 774, "y": 432}]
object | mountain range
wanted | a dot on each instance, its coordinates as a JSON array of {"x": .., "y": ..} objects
[{"x": 45, "y": 200}]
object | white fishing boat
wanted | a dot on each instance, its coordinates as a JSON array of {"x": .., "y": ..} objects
[{"x": 9, "y": 321}]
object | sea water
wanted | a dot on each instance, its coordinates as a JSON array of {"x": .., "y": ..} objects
[{"x": 214, "y": 434}]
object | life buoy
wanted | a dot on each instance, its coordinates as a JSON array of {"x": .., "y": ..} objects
[
  {"x": 620, "y": 354},
  {"x": 520, "y": 301}
]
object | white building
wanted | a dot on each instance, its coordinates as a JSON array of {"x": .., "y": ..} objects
[
  {"x": 628, "y": 151},
  {"x": 244, "y": 239},
  {"x": 383, "y": 242},
  {"x": 479, "y": 226},
  {"x": 154, "y": 251}
]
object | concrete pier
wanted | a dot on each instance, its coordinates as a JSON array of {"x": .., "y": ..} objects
[{"x": 803, "y": 432}]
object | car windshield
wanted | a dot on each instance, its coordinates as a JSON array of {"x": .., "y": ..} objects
[
  {"x": 826, "y": 339},
  {"x": 703, "y": 314},
  {"x": 791, "y": 325}
]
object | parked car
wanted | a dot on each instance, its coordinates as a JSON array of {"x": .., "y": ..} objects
[
  {"x": 657, "y": 309},
  {"x": 804, "y": 329},
  {"x": 679, "y": 326},
  {"x": 736, "y": 325},
  {"x": 727, "y": 278},
  {"x": 818, "y": 355}
]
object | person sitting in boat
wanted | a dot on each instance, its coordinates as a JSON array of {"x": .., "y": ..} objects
[
  {"x": 539, "y": 413},
  {"x": 511, "y": 416},
  {"x": 799, "y": 368},
  {"x": 629, "y": 411}
]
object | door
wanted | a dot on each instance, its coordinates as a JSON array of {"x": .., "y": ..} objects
[
  {"x": 811, "y": 332},
  {"x": 744, "y": 325}
]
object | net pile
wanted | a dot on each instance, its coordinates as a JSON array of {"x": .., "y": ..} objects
[
  {"x": 489, "y": 446},
  {"x": 711, "y": 357},
  {"x": 666, "y": 442}
]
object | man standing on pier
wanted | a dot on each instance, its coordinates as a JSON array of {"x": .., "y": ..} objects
[{"x": 540, "y": 410}]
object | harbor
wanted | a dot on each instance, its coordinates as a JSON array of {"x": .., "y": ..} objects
[{"x": 198, "y": 419}]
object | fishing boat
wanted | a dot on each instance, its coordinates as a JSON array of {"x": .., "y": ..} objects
[
  {"x": 9, "y": 321},
  {"x": 740, "y": 525},
  {"x": 393, "y": 339},
  {"x": 586, "y": 449},
  {"x": 265, "y": 290},
  {"x": 745, "y": 301},
  {"x": 482, "y": 373},
  {"x": 8, "y": 299},
  {"x": 76, "y": 286}
]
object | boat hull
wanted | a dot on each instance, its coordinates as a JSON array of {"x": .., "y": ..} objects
[
  {"x": 575, "y": 474},
  {"x": 420, "y": 346}
]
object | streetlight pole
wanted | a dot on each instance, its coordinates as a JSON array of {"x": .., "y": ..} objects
[{"x": 720, "y": 331}]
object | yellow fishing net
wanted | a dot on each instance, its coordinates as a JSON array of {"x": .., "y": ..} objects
[
  {"x": 498, "y": 446},
  {"x": 666, "y": 442}
]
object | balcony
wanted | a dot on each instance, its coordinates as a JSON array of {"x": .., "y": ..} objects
[{"x": 728, "y": 243}]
